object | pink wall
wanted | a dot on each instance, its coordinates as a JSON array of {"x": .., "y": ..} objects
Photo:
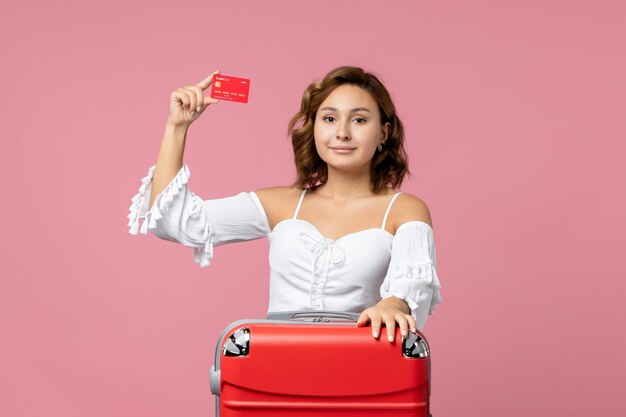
[{"x": 514, "y": 113}]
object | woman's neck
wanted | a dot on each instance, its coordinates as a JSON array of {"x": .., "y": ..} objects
[{"x": 344, "y": 186}]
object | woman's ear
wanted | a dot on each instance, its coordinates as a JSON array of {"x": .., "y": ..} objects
[{"x": 386, "y": 128}]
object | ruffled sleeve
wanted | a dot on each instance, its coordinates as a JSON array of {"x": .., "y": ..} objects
[
  {"x": 179, "y": 215},
  {"x": 412, "y": 274}
]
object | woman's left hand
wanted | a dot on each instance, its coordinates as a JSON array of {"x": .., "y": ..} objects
[{"x": 389, "y": 311}]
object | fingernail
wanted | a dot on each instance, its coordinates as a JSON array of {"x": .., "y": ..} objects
[
  {"x": 192, "y": 113},
  {"x": 375, "y": 334},
  {"x": 198, "y": 109},
  {"x": 404, "y": 334},
  {"x": 390, "y": 338}
]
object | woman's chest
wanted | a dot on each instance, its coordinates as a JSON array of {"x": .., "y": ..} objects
[{"x": 298, "y": 245}]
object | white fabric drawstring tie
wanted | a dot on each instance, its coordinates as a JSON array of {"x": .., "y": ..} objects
[{"x": 325, "y": 253}]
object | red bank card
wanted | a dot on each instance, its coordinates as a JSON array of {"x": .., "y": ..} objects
[{"x": 226, "y": 87}]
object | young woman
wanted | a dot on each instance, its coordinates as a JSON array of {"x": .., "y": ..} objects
[{"x": 341, "y": 237}]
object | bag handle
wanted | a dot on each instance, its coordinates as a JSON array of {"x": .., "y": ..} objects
[{"x": 314, "y": 315}]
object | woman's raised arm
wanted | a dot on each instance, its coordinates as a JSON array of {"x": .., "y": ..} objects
[
  {"x": 167, "y": 207},
  {"x": 186, "y": 105}
]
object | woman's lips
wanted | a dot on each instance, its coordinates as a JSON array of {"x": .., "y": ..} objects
[{"x": 343, "y": 150}]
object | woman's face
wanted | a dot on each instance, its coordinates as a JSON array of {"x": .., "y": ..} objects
[{"x": 347, "y": 128}]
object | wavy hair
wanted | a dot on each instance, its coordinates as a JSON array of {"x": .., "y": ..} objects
[{"x": 388, "y": 167}]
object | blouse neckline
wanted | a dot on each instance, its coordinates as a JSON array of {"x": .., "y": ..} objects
[
  {"x": 387, "y": 233},
  {"x": 327, "y": 238}
]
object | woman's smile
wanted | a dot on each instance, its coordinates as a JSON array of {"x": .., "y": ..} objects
[{"x": 342, "y": 149}]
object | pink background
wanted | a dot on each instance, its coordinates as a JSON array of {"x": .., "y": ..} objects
[{"x": 514, "y": 115}]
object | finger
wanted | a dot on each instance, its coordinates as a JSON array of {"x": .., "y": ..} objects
[
  {"x": 204, "y": 84},
  {"x": 199, "y": 98},
  {"x": 376, "y": 325},
  {"x": 363, "y": 319},
  {"x": 181, "y": 96},
  {"x": 208, "y": 101},
  {"x": 403, "y": 323},
  {"x": 192, "y": 99},
  {"x": 390, "y": 323},
  {"x": 411, "y": 321}
]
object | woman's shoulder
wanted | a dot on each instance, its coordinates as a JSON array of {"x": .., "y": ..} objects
[
  {"x": 279, "y": 202},
  {"x": 409, "y": 207},
  {"x": 278, "y": 193}
]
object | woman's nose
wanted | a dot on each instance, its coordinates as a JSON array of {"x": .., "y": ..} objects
[{"x": 343, "y": 132}]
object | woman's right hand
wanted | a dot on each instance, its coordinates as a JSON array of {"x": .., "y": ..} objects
[{"x": 188, "y": 103}]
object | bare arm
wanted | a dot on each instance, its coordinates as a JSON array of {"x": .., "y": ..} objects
[
  {"x": 186, "y": 105},
  {"x": 170, "y": 158}
]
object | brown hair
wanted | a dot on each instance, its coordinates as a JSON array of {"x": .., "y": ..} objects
[{"x": 388, "y": 166}]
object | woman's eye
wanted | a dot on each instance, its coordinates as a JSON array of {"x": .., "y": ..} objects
[{"x": 359, "y": 120}]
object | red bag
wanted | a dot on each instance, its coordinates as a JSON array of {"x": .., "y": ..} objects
[{"x": 319, "y": 363}]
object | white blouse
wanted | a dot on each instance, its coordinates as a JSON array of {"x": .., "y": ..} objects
[{"x": 307, "y": 270}]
